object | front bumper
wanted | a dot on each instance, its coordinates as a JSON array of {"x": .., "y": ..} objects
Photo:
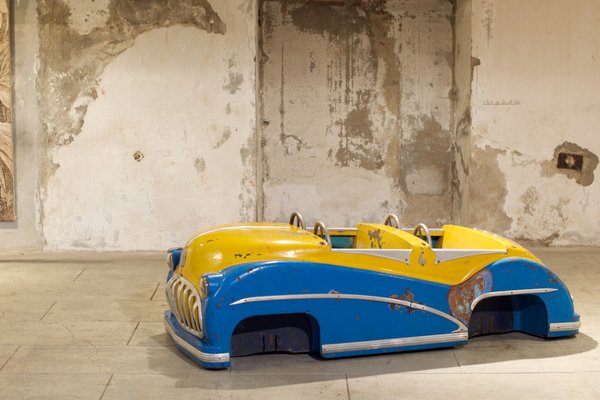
[
  {"x": 560, "y": 329},
  {"x": 192, "y": 346}
]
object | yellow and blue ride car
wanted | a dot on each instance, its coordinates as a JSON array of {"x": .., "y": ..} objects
[{"x": 375, "y": 288}]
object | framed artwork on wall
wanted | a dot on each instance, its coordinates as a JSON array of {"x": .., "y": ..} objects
[{"x": 7, "y": 187}]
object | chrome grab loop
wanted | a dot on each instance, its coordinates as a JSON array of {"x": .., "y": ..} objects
[
  {"x": 420, "y": 229},
  {"x": 321, "y": 230},
  {"x": 296, "y": 220},
  {"x": 393, "y": 221}
]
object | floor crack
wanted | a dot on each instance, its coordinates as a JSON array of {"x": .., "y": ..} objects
[
  {"x": 79, "y": 274},
  {"x": 46, "y": 313},
  {"x": 155, "y": 290},
  {"x": 9, "y": 358},
  {"x": 106, "y": 387},
  {"x": 75, "y": 337},
  {"x": 133, "y": 333},
  {"x": 348, "y": 388}
]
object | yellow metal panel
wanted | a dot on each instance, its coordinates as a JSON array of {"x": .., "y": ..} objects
[
  {"x": 459, "y": 237},
  {"x": 231, "y": 245}
]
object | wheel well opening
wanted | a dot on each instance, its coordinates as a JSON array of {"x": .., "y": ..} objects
[
  {"x": 503, "y": 314},
  {"x": 280, "y": 333}
]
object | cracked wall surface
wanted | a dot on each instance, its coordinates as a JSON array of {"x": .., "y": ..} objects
[
  {"x": 356, "y": 110},
  {"x": 535, "y": 94},
  {"x": 149, "y": 113}
]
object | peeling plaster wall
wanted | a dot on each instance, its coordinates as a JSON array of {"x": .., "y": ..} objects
[
  {"x": 536, "y": 93},
  {"x": 149, "y": 113},
  {"x": 356, "y": 110},
  {"x": 135, "y": 121}
]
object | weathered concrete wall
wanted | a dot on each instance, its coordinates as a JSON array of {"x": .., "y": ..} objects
[
  {"x": 535, "y": 94},
  {"x": 135, "y": 120},
  {"x": 356, "y": 110}
]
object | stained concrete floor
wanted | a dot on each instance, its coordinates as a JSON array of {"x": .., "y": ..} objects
[{"x": 88, "y": 326}]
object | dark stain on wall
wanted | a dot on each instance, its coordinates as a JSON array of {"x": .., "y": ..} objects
[
  {"x": 488, "y": 190},
  {"x": 356, "y": 146},
  {"x": 71, "y": 63},
  {"x": 342, "y": 25},
  {"x": 381, "y": 25},
  {"x": 427, "y": 155},
  {"x": 374, "y": 121},
  {"x": 530, "y": 199},
  {"x": 326, "y": 20},
  {"x": 585, "y": 177},
  {"x": 234, "y": 82}
]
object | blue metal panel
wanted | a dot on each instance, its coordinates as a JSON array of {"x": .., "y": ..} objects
[
  {"x": 340, "y": 320},
  {"x": 343, "y": 321}
]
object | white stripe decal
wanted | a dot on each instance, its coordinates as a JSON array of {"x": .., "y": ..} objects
[{"x": 339, "y": 296}]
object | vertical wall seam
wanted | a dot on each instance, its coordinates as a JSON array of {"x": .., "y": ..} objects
[{"x": 258, "y": 136}]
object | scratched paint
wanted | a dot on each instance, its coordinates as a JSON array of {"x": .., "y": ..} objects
[
  {"x": 408, "y": 295},
  {"x": 375, "y": 239}
]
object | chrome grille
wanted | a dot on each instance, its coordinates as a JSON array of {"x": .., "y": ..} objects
[{"x": 184, "y": 301}]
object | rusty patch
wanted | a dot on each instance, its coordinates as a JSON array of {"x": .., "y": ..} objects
[
  {"x": 460, "y": 297},
  {"x": 588, "y": 163},
  {"x": 407, "y": 296},
  {"x": 138, "y": 156}
]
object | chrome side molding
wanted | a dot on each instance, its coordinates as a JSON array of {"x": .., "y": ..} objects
[
  {"x": 397, "y": 342},
  {"x": 510, "y": 293}
]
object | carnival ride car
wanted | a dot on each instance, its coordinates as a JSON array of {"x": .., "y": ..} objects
[{"x": 252, "y": 288}]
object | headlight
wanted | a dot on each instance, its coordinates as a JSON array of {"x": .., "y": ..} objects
[
  {"x": 173, "y": 258},
  {"x": 203, "y": 287},
  {"x": 170, "y": 261}
]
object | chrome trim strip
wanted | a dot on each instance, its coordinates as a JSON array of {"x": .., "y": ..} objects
[
  {"x": 204, "y": 357},
  {"x": 390, "y": 343},
  {"x": 510, "y": 293},
  {"x": 401, "y": 255},
  {"x": 565, "y": 326},
  {"x": 340, "y": 296},
  {"x": 453, "y": 254}
]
